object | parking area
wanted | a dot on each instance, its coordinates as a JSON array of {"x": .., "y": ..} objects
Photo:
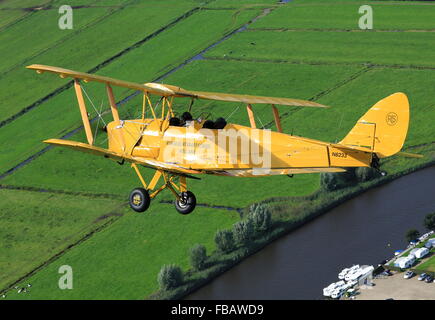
[{"x": 398, "y": 288}]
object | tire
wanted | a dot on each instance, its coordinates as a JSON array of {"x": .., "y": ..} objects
[
  {"x": 187, "y": 205},
  {"x": 139, "y": 199}
]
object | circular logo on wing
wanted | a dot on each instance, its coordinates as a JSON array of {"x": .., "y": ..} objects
[{"x": 392, "y": 118}]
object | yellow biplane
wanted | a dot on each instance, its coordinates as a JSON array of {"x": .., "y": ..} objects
[{"x": 178, "y": 148}]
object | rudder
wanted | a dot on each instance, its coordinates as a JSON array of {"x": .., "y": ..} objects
[{"x": 383, "y": 128}]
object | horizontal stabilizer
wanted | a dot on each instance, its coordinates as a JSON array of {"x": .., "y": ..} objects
[{"x": 410, "y": 155}]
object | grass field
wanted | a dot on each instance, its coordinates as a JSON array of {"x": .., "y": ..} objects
[
  {"x": 297, "y": 50},
  {"x": 35, "y": 226},
  {"x": 83, "y": 49},
  {"x": 332, "y": 47},
  {"x": 428, "y": 265},
  {"x": 123, "y": 260},
  {"x": 343, "y": 15}
]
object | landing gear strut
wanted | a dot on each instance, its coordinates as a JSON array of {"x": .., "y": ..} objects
[
  {"x": 140, "y": 198},
  {"x": 375, "y": 164}
]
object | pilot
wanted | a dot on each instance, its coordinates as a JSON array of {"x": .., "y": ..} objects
[
  {"x": 220, "y": 123},
  {"x": 186, "y": 118},
  {"x": 174, "y": 121}
]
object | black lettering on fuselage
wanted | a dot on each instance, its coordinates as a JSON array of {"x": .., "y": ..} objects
[{"x": 339, "y": 154}]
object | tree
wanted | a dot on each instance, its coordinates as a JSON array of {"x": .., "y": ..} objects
[
  {"x": 412, "y": 235},
  {"x": 261, "y": 217},
  {"x": 366, "y": 173},
  {"x": 224, "y": 241},
  {"x": 429, "y": 221},
  {"x": 170, "y": 276},
  {"x": 331, "y": 181},
  {"x": 198, "y": 256},
  {"x": 243, "y": 231}
]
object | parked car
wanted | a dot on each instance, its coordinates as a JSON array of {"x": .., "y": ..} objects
[
  {"x": 422, "y": 276},
  {"x": 408, "y": 274},
  {"x": 428, "y": 279}
]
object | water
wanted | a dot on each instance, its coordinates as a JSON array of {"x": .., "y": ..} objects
[{"x": 364, "y": 230}]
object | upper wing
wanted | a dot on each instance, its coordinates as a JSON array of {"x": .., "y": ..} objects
[
  {"x": 255, "y": 99},
  {"x": 174, "y": 91},
  {"x": 150, "y": 163},
  {"x": 63, "y": 73}
]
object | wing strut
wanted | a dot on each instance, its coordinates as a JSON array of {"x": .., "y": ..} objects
[
  {"x": 251, "y": 116},
  {"x": 277, "y": 119},
  {"x": 113, "y": 106},
  {"x": 83, "y": 112}
]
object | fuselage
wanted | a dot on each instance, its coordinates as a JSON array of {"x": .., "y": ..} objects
[{"x": 235, "y": 150}]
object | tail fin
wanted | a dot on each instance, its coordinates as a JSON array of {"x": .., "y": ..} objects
[{"x": 383, "y": 128}]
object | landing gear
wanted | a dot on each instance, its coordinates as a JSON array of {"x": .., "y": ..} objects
[
  {"x": 186, "y": 202},
  {"x": 375, "y": 164},
  {"x": 139, "y": 199}
]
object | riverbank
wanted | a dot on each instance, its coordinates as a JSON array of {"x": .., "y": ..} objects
[{"x": 314, "y": 206}]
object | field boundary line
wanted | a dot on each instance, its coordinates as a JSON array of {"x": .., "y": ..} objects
[
  {"x": 324, "y": 93},
  {"x": 320, "y": 63},
  {"x": 29, "y": 13},
  {"x": 341, "y": 83},
  {"x": 378, "y": 2},
  {"x": 98, "y": 67},
  {"x": 64, "y": 39},
  {"x": 62, "y": 192},
  {"x": 336, "y": 30},
  {"x": 210, "y": 206},
  {"x": 111, "y": 213}
]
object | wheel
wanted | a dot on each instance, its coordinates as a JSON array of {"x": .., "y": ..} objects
[
  {"x": 139, "y": 199},
  {"x": 186, "y": 204}
]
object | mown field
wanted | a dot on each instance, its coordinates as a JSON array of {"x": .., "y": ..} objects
[{"x": 297, "y": 50}]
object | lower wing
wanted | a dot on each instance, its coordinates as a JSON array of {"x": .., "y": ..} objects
[{"x": 146, "y": 162}]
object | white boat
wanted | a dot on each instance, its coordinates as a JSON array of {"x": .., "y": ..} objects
[
  {"x": 337, "y": 293},
  {"x": 343, "y": 273},
  {"x": 327, "y": 292}
]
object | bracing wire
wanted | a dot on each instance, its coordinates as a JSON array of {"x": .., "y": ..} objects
[
  {"x": 93, "y": 106},
  {"x": 228, "y": 117},
  {"x": 98, "y": 121},
  {"x": 261, "y": 122}
]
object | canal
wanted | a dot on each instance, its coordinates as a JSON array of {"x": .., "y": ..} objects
[{"x": 363, "y": 230}]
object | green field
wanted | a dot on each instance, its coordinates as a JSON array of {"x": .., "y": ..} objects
[
  {"x": 332, "y": 47},
  {"x": 37, "y": 225},
  {"x": 332, "y": 14},
  {"x": 297, "y": 50},
  {"x": 122, "y": 261},
  {"x": 83, "y": 49}
]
